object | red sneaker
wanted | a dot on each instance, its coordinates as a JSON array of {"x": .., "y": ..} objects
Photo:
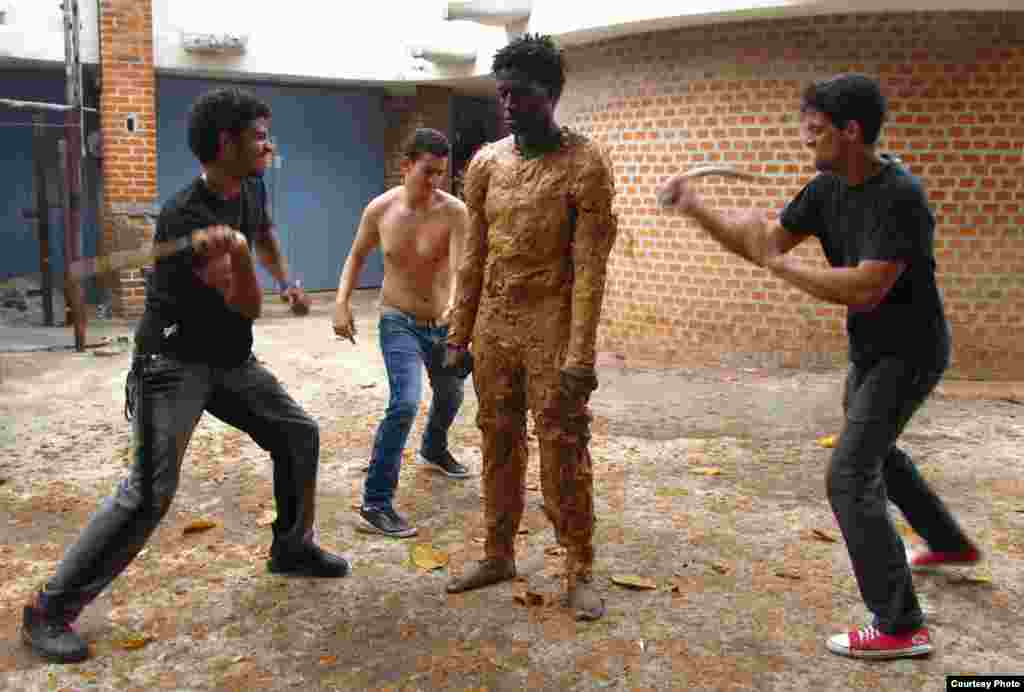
[
  {"x": 923, "y": 560},
  {"x": 870, "y": 642}
]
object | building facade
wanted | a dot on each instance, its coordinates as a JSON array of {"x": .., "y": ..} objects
[{"x": 663, "y": 88}]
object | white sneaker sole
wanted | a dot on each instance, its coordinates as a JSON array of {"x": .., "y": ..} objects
[
  {"x": 427, "y": 462},
  {"x": 366, "y": 527},
  {"x": 920, "y": 650}
]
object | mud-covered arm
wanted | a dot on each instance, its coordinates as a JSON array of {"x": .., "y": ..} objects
[
  {"x": 593, "y": 238},
  {"x": 470, "y": 276}
]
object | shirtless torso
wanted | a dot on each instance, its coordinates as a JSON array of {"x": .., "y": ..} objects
[
  {"x": 416, "y": 244},
  {"x": 420, "y": 240}
]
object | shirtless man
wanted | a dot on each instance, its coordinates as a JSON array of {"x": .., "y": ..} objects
[{"x": 420, "y": 230}]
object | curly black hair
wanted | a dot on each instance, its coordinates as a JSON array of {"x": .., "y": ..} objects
[
  {"x": 537, "y": 57},
  {"x": 221, "y": 110},
  {"x": 848, "y": 97}
]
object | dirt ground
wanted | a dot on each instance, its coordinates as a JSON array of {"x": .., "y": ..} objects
[{"x": 709, "y": 484}]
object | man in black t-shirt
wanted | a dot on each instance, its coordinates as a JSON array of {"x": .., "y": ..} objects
[
  {"x": 193, "y": 354},
  {"x": 877, "y": 232}
]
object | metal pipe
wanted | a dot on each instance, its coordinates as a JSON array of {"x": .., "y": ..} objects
[
  {"x": 438, "y": 55},
  {"x": 493, "y": 12},
  {"x": 40, "y": 106}
]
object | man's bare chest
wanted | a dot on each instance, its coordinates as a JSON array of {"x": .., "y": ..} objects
[{"x": 415, "y": 237}]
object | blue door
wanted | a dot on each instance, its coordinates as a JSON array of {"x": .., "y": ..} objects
[{"x": 330, "y": 146}]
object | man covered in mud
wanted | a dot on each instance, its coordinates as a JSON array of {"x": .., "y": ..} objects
[{"x": 531, "y": 284}]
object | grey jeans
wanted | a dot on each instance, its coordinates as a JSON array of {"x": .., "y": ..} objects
[
  {"x": 170, "y": 396},
  {"x": 867, "y": 469}
]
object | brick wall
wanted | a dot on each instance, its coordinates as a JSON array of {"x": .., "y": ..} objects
[
  {"x": 430, "y": 107},
  {"x": 129, "y": 158},
  {"x": 669, "y": 100}
]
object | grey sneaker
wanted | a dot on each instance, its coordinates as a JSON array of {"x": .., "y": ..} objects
[
  {"x": 446, "y": 464},
  {"x": 51, "y": 637},
  {"x": 385, "y": 521}
]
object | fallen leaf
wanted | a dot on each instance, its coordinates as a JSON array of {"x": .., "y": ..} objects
[
  {"x": 267, "y": 518},
  {"x": 198, "y": 525},
  {"x": 328, "y": 660},
  {"x": 134, "y": 642},
  {"x": 720, "y": 568},
  {"x": 828, "y": 442},
  {"x": 707, "y": 471},
  {"x": 555, "y": 550},
  {"x": 787, "y": 574},
  {"x": 427, "y": 557},
  {"x": 823, "y": 535},
  {"x": 530, "y": 598},
  {"x": 969, "y": 579},
  {"x": 634, "y": 581},
  {"x": 479, "y": 539}
]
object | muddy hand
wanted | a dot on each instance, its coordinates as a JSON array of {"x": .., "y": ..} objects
[{"x": 577, "y": 382}]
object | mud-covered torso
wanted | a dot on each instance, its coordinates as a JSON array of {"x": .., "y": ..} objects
[{"x": 529, "y": 206}]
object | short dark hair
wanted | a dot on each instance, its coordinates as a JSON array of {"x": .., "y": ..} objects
[
  {"x": 537, "y": 57},
  {"x": 426, "y": 141},
  {"x": 221, "y": 110},
  {"x": 848, "y": 97}
]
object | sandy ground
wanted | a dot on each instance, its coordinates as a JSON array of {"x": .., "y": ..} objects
[{"x": 709, "y": 485}]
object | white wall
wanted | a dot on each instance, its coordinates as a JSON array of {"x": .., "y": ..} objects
[
  {"x": 35, "y": 30},
  {"x": 323, "y": 39},
  {"x": 314, "y": 39}
]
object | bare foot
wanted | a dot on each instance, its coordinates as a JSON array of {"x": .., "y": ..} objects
[
  {"x": 585, "y": 602},
  {"x": 487, "y": 572}
]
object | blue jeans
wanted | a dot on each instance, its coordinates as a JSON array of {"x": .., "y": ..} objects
[{"x": 406, "y": 344}]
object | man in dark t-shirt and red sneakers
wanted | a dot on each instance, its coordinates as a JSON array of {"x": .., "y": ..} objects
[
  {"x": 193, "y": 354},
  {"x": 877, "y": 232}
]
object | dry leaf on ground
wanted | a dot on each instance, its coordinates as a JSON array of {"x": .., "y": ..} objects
[
  {"x": 198, "y": 525},
  {"x": 720, "y": 568},
  {"x": 823, "y": 535},
  {"x": 634, "y": 581},
  {"x": 327, "y": 660},
  {"x": 529, "y": 598},
  {"x": 267, "y": 518},
  {"x": 707, "y": 471},
  {"x": 788, "y": 574},
  {"x": 427, "y": 557},
  {"x": 554, "y": 550},
  {"x": 133, "y": 642},
  {"x": 828, "y": 442}
]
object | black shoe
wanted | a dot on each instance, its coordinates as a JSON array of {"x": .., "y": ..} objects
[
  {"x": 386, "y": 521},
  {"x": 52, "y": 638},
  {"x": 446, "y": 464},
  {"x": 308, "y": 561}
]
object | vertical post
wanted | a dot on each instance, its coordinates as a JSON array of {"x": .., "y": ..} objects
[
  {"x": 42, "y": 216},
  {"x": 73, "y": 167}
]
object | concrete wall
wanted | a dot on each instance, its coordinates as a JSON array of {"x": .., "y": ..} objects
[{"x": 669, "y": 100}]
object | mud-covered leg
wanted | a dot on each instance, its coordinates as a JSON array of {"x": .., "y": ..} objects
[
  {"x": 501, "y": 418},
  {"x": 568, "y": 477}
]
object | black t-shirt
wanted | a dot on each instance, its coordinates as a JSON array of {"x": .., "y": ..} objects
[
  {"x": 184, "y": 317},
  {"x": 885, "y": 218}
]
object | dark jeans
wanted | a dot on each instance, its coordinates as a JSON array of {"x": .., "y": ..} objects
[
  {"x": 408, "y": 345},
  {"x": 170, "y": 396},
  {"x": 867, "y": 469}
]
